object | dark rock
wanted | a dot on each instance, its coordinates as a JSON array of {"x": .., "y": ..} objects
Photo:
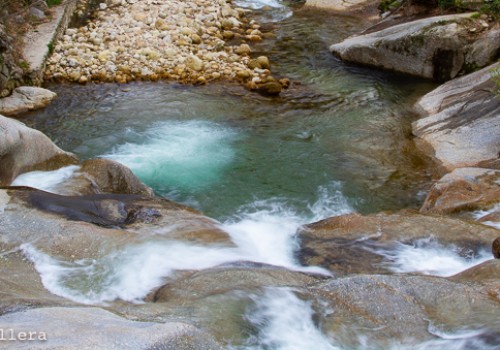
[{"x": 495, "y": 248}]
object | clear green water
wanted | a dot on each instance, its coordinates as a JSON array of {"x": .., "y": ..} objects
[{"x": 219, "y": 147}]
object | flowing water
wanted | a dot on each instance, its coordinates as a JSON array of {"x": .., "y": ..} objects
[{"x": 337, "y": 142}]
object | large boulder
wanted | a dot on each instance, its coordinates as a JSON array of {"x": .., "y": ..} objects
[
  {"x": 353, "y": 243},
  {"x": 24, "y": 99},
  {"x": 23, "y": 149},
  {"x": 392, "y": 310},
  {"x": 95, "y": 328},
  {"x": 461, "y": 121},
  {"x": 463, "y": 189},
  {"x": 438, "y": 48}
]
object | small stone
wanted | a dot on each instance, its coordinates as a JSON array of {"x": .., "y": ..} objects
[
  {"x": 270, "y": 88},
  {"x": 103, "y": 6},
  {"x": 243, "y": 74},
  {"x": 263, "y": 62},
  {"x": 194, "y": 63},
  {"x": 201, "y": 80},
  {"x": 243, "y": 49},
  {"x": 195, "y": 38}
]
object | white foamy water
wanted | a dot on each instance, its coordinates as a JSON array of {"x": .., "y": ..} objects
[
  {"x": 479, "y": 214},
  {"x": 285, "y": 323},
  {"x": 180, "y": 154},
  {"x": 46, "y": 180},
  {"x": 264, "y": 232},
  {"x": 429, "y": 257},
  {"x": 276, "y": 10}
]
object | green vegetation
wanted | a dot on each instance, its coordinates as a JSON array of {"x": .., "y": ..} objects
[
  {"x": 51, "y": 3},
  {"x": 492, "y": 8},
  {"x": 50, "y": 45},
  {"x": 23, "y": 65},
  {"x": 495, "y": 75}
]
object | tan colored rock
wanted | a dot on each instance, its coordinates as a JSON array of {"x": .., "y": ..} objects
[
  {"x": 109, "y": 176},
  {"x": 24, "y": 99},
  {"x": 23, "y": 149},
  {"x": 243, "y": 49},
  {"x": 463, "y": 189},
  {"x": 350, "y": 244}
]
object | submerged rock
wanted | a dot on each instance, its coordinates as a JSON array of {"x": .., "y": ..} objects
[
  {"x": 23, "y": 149},
  {"x": 90, "y": 327},
  {"x": 439, "y": 48},
  {"x": 495, "y": 248},
  {"x": 463, "y": 189},
  {"x": 353, "y": 243},
  {"x": 461, "y": 121},
  {"x": 352, "y": 6},
  {"x": 24, "y": 99}
]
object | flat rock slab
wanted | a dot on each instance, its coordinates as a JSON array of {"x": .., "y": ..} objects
[
  {"x": 461, "y": 121},
  {"x": 94, "y": 328},
  {"x": 24, "y": 99}
]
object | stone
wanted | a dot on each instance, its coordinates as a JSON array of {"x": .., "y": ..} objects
[
  {"x": 93, "y": 327},
  {"x": 463, "y": 189},
  {"x": 243, "y": 49},
  {"x": 23, "y": 149},
  {"x": 263, "y": 62},
  {"x": 353, "y": 243},
  {"x": 460, "y": 122},
  {"x": 231, "y": 277},
  {"x": 37, "y": 13},
  {"x": 109, "y": 176},
  {"x": 194, "y": 63},
  {"x": 438, "y": 48},
  {"x": 271, "y": 88},
  {"x": 24, "y": 99},
  {"x": 398, "y": 309}
]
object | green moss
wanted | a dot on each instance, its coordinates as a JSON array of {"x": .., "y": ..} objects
[
  {"x": 50, "y": 45},
  {"x": 24, "y": 65},
  {"x": 51, "y": 3}
]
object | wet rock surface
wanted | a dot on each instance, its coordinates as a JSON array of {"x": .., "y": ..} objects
[
  {"x": 25, "y": 98},
  {"x": 406, "y": 308},
  {"x": 352, "y": 244}
]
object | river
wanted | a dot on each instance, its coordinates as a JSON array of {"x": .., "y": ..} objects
[{"x": 338, "y": 141}]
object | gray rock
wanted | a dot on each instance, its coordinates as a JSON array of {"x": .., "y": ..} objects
[
  {"x": 37, "y": 13},
  {"x": 461, "y": 121},
  {"x": 24, "y": 99},
  {"x": 439, "y": 48},
  {"x": 95, "y": 328},
  {"x": 345, "y": 6},
  {"x": 23, "y": 149}
]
